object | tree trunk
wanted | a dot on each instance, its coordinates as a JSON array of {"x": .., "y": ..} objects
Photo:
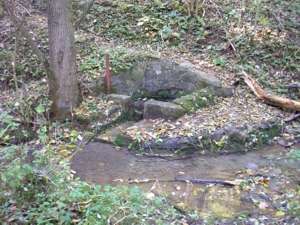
[{"x": 63, "y": 84}]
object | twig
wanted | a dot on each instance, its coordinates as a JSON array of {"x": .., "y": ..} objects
[
  {"x": 144, "y": 181},
  {"x": 120, "y": 220},
  {"x": 204, "y": 181},
  {"x": 161, "y": 156},
  {"x": 14, "y": 62},
  {"x": 292, "y": 117},
  {"x": 183, "y": 179}
]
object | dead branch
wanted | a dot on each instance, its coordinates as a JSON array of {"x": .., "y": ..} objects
[
  {"x": 184, "y": 179},
  {"x": 292, "y": 117},
  {"x": 204, "y": 181},
  {"x": 14, "y": 62},
  {"x": 269, "y": 98}
]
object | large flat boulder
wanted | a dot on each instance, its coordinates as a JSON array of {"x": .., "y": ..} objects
[
  {"x": 165, "y": 79},
  {"x": 172, "y": 79},
  {"x": 154, "y": 109}
]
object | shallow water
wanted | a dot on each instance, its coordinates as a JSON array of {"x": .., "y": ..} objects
[{"x": 103, "y": 164}]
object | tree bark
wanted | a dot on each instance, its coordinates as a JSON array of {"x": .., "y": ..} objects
[
  {"x": 269, "y": 98},
  {"x": 63, "y": 85}
]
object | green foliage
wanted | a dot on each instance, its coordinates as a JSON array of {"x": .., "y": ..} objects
[
  {"x": 196, "y": 100},
  {"x": 253, "y": 36},
  {"x": 28, "y": 66},
  {"x": 157, "y": 21},
  {"x": 294, "y": 203},
  {"x": 33, "y": 105},
  {"x": 121, "y": 59},
  {"x": 8, "y": 127},
  {"x": 25, "y": 113},
  {"x": 37, "y": 188}
]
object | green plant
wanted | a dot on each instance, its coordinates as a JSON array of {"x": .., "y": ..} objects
[
  {"x": 39, "y": 189},
  {"x": 8, "y": 126},
  {"x": 137, "y": 142},
  {"x": 121, "y": 59}
]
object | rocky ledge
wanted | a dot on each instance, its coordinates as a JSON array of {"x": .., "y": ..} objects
[
  {"x": 179, "y": 108},
  {"x": 226, "y": 126}
]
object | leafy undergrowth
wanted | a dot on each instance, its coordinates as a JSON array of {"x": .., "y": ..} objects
[
  {"x": 38, "y": 188},
  {"x": 259, "y": 37}
]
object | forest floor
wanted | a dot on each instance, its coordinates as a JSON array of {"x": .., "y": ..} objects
[{"x": 260, "y": 38}]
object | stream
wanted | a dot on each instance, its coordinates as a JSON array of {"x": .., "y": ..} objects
[{"x": 269, "y": 169}]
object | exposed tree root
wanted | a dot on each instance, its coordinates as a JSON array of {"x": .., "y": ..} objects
[{"x": 269, "y": 98}]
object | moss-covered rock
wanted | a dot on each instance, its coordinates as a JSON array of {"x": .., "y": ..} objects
[
  {"x": 240, "y": 139},
  {"x": 223, "y": 140},
  {"x": 116, "y": 135},
  {"x": 157, "y": 78},
  {"x": 198, "y": 99}
]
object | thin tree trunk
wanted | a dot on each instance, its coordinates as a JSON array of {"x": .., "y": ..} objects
[{"x": 63, "y": 85}]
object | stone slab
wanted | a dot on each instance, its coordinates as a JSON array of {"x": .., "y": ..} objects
[{"x": 154, "y": 109}]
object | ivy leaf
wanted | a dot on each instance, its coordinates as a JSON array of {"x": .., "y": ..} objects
[{"x": 40, "y": 109}]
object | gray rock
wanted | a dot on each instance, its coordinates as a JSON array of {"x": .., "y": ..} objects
[
  {"x": 174, "y": 143},
  {"x": 228, "y": 139},
  {"x": 162, "y": 78},
  {"x": 168, "y": 76},
  {"x": 130, "y": 81},
  {"x": 124, "y": 100},
  {"x": 116, "y": 135},
  {"x": 157, "y": 109}
]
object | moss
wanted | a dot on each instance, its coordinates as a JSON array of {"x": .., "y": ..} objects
[
  {"x": 262, "y": 136},
  {"x": 198, "y": 99},
  {"x": 237, "y": 142},
  {"x": 121, "y": 140}
]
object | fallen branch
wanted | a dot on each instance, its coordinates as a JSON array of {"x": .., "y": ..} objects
[
  {"x": 269, "y": 98},
  {"x": 292, "y": 117},
  {"x": 183, "y": 179},
  {"x": 204, "y": 181}
]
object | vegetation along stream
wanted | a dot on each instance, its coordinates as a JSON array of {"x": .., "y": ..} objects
[{"x": 258, "y": 178}]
